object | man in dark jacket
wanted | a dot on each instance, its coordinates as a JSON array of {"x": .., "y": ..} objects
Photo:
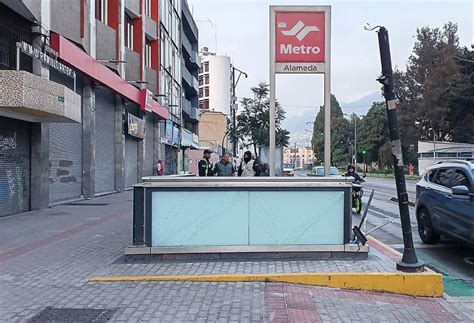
[
  {"x": 204, "y": 165},
  {"x": 351, "y": 173},
  {"x": 224, "y": 167}
]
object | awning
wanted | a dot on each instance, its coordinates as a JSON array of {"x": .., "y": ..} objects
[
  {"x": 73, "y": 56},
  {"x": 189, "y": 139}
]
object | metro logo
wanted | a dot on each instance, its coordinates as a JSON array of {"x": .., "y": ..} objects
[{"x": 299, "y": 37}]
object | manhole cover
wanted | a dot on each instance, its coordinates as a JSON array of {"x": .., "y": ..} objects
[
  {"x": 469, "y": 260},
  {"x": 56, "y": 315}
]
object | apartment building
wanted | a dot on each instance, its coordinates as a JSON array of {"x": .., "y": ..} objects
[{"x": 91, "y": 97}]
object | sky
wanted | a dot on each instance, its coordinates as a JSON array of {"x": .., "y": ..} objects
[{"x": 242, "y": 32}]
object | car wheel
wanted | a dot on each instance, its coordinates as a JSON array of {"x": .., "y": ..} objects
[{"x": 425, "y": 229}]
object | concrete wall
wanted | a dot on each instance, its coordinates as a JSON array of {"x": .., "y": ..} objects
[
  {"x": 106, "y": 43},
  {"x": 132, "y": 69},
  {"x": 66, "y": 19},
  {"x": 212, "y": 129}
]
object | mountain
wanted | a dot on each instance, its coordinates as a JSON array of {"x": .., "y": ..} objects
[
  {"x": 297, "y": 126},
  {"x": 361, "y": 106}
]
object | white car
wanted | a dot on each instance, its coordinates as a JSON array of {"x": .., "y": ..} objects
[{"x": 287, "y": 171}]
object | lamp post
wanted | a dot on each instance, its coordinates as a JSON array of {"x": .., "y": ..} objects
[
  {"x": 234, "y": 107},
  {"x": 434, "y": 145},
  {"x": 354, "y": 116}
]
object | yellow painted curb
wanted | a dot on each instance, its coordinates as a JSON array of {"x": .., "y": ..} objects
[{"x": 416, "y": 284}]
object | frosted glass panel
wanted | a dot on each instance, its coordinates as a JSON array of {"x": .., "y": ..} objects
[
  {"x": 311, "y": 217},
  {"x": 199, "y": 218}
]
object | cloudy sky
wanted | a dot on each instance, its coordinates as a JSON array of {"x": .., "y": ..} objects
[{"x": 242, "y": 33}]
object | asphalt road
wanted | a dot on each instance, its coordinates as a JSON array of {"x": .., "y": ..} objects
[{"x": 452, "y": 259}]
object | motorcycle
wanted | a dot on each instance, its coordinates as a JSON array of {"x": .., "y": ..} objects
[{"x": 357, "y": 193}]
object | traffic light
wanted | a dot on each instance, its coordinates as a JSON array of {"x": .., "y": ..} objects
[{"x": 363, "y": 152}]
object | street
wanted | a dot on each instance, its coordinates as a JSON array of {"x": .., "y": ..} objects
[{"x": 447, "y": 257}]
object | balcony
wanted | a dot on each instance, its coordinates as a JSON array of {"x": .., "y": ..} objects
[
  {"x": 186, "y": 44},
  {"x": 190, "y": 27},
  {"x": 190, "y": 82},
  {"x": 187, "y": 107},
  {"x": 150, "y": 28},
  {"x": 152, "y": 79},
  {"x": 132, "y": 68},
  {"x": 133, "y": 8},
  {"x": 105, "y": 43},
  {"x": 37, "y": 99},
  {"x": 195, "y": 114}
]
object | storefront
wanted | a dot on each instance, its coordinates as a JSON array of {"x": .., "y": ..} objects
[
  {"x": 104, "y": 141},
  {"x": 15, "y": 159}
]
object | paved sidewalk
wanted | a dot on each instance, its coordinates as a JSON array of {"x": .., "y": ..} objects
[{"x": 48, "y": 256}]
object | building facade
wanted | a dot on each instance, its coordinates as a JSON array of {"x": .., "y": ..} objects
[
  {"x": 432, "y": 152},
  {"x": 215, "y": 82},
  {"x": 88, "y": 107},
  {"x": 190, "y": 63},
  {"x": 299, "y": 157}
]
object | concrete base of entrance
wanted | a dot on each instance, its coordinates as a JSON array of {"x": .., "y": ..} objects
[{"x": 273, "y": 252}]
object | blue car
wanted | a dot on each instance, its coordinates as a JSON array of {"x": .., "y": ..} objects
[{"x": 445, "y": 202}]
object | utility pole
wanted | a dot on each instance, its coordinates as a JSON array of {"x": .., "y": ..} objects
[
  {"x": 355, "y": 141},
  {"x": 234, "y": 108},
  {"x": 409, "y": 261}
]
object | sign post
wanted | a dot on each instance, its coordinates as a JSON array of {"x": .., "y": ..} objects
[{"x": 300, "y": 43}]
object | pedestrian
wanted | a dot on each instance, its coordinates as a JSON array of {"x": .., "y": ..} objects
[
  {"x": 204, "y": 165},
  {"x": 224, "y": 167},
  {"x": 248, "y": 167}
]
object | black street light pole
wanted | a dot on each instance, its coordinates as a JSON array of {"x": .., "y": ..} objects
[
  {"x": 409, "y": 262},
  {"x": 234, "y": 108}
]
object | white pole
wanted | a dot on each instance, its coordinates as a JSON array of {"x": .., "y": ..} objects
[
  {"x": 271, "y": 158},
  {"x": 355, "y": 141},
  {"x": 327, "y": 97}
]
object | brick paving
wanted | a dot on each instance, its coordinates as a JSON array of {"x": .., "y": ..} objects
[{"x": 47, "y": 257}]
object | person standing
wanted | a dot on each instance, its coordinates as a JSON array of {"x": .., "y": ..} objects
[
  {"x": 204, "y": 165},
  {"x": 248, "y": 167},
  {"x": 224, "y": 167}
]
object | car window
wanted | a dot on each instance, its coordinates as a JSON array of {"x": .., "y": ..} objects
[
  {"x": 443, "y": 177},
  {"x": 431, "y": 175},
  {"x": 460, "y": 178},
  {"x": 334, "y": 171},
  {"x": 320, "y": 171}
]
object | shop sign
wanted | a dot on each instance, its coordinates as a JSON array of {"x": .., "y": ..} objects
[
  {"x": 46, "y": 58},
  {"x": 136, "y": 126}
]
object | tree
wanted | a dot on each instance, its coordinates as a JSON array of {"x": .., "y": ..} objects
[
  {"x": 373, "y": 133},
  {"x": 253, "y": 123},
  {"x": 340, "y": 134},
  {"x": 434, "y": 91}
]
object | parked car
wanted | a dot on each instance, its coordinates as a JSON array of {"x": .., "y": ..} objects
[
  {"x": 319, "y": 171},
  {"x": 288, "y": 170},
  {"x": 445, "y": 202}
]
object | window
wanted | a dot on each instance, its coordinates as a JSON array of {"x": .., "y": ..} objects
[
  {"x": 200, "y": 92},
  {"x": 147, "y": 54},
  {"x": 206, "y": 79},
  {"x": 431, "y": 175},
  {"x": 206, "y": 66},
  {"x": 147, "y": 8},
  {"x": 443, "y": 177},
  {"x": 206, "y": 91},
  {"x": 460, "y": 178},
  {"x": 200, "y": 80},
  {"x": 101, "y": 10},
  {"x": 128, "y": 32},
  {"x": 205, "y": 104}
]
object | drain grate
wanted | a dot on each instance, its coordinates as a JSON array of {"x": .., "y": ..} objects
[
  {"x": 86, "y": 204},
  {"x": 56, "y": 315}
]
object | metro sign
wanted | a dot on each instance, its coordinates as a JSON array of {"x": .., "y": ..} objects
[{"x": 299, "y": 37}]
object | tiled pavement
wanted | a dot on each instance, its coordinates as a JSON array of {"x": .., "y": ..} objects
[{"x": 47, "y": 257}]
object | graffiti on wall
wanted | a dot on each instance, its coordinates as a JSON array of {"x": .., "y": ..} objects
[
  {"x": 8, "y": 143},
  {"x": 11, "y": 183},
  {"x": 61, "y": 171}
]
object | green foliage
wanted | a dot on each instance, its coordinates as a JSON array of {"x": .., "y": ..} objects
[
  {"x": 253, "y": 123},
  {"x": 341, "y": 134}
]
